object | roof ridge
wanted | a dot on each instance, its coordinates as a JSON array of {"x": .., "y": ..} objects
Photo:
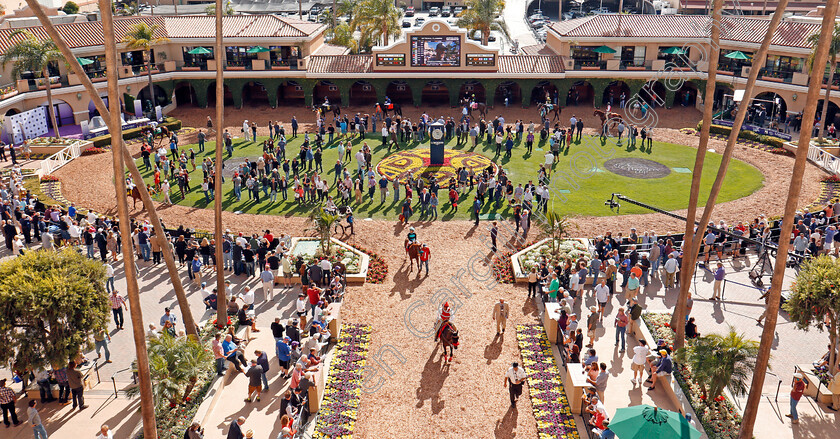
[{"x": 253, "y": 19}]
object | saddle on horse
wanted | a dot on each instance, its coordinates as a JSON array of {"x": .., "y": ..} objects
[{"x": 474, "y": 105}]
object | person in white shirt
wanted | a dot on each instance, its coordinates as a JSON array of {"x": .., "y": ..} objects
[
  {"x": 640, "y": 359},
  {"x": 246, "y": 129},
  {"x": 514, "y": 378},
  {"x": 300, "y": 308},
  {"x": 105, "y": 433},
  {"x": 549, "y": 160},
  {"x": 247, "y": 297},
  {"x": 602, "y": 295}
]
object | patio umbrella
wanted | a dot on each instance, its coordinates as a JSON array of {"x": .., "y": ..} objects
[
  {"x": 85, "y": 61},
  {"x": 737, "y": 55},
  {"x": 199, "y": 51},
  {"x": 674, "y": 51},
  {"x": 258, "y": 49},
  {"x": 604, "y": 49},
  {"x": 644, "y": 421}
]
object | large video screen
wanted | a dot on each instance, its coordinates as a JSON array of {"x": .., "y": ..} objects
[{"x": 435, "y": 51}]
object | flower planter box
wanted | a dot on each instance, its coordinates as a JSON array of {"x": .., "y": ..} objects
[
  {"x": 833, "y": 87},
  {"x": 767, "y": 78},
  {"x": 281, "y": 68},
  {"x": 191, "y": 69},
  {"x": 815, "y": 390},
  {"x": 98, "y": 79},
  {"x": 520, "y": 273},
  {"x": 636, "y": 68},
  {"x": 9, "y": 94},
  {"x": 725, "y": 72},
  {"x": 236, "y": 68},
  {"x": 590, "y": 68},
  {"x": 352, "y": 278}
]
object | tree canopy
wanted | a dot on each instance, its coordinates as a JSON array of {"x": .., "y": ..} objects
[
  {"x": 721, "y": 361},
  {"x": 481, "y": 15},
  {"x": 51, "y": 302},
  {"x": 815, "y": 299},
  {"x": 70, "y": 8}
]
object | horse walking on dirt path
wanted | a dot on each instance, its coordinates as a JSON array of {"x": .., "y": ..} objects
[
  {"x": 449, "y": 338},
  {"x": 412, "y": 249}
]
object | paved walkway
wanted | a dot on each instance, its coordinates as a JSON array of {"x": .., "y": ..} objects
[{"x": 518, "y": 28}]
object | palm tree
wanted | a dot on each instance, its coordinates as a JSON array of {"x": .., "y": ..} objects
[
  {"x": 322, "y": 223},
  {"x": 481, "y": 15},
  {"x": 142, "y": 36},
  {"x": 379, "y": 19},
  {"x": 833, "y": 51},
  {"x": 33, "y": 55},
  {"x": 721, "y": 361},
  {"x": 175, "y": 364},
  {"x": 555, "y": 226}
]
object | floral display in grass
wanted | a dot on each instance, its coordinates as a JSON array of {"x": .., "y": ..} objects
[
  {"x": 566, "y": 249},
  {"x": 340, "y": 406},
  {"x": 377, "y": 267},
  {"x": 94, "y": 151},
  {"x": 719, "y": 418},
  {"x": 548, "y": 397}
]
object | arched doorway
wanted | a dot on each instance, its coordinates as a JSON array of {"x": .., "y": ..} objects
[
  {"x": 362, "y": 93},
  {"x": 12, "y": 111},
  {"x": 184, "y": 94},
  {"x": 254, "y": 94},
  {"x": 686, "y": 95},
  {"x": 470, "y": 89},
  {"x": 581, "y": 93},
  {"x": 833, "y": 115},
  {"x": 613, "y": 92},
  {"x": 399, "y": 92},
  {"x": 654, "y": 94},
  {"x": 435, "y": 93},
  {"x": 509, "y": 90},
  {"x": 63, "y": 113},
  {"x": 92, "y": 111},
  {"x": 326, "y": 89},
  {"x": 723, "y": 97},
  {"x": 290, "y": 94},
  {"x": 211, "y": 95},
  {"x": 161, "y": 97},
  {"x": 766, "y": 107},
  {"x": 543, "y": 91}
]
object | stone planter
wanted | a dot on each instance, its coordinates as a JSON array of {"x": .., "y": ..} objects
[
  {"x": 519, "y": 273},
  {"x": 352, "y": 279}
]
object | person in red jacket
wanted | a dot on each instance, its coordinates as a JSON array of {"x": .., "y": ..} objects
[{"x": 424, "y": 259}]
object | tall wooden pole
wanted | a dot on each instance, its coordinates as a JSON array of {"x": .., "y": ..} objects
[
  {"x": 678, "y": 321},
  {"x": 115, "y": 128},
  {"x": 690, "y": 258},
  {"x": 775, "y": 294},
  {"x": 126, "y": 161},
  {"x": 221, "y": 302}
]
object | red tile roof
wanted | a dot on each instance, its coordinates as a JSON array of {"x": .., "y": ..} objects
[
  {"x": 331, "y": 49},
  {"x": 537, "y": 64},
  {"x": 83, "y": 34},
  {"x": 340, "y": 64},
  {"x": 740, "y": 29},
  {"x": 89, "y": 33},
  {"x": 537, "y": 49}
]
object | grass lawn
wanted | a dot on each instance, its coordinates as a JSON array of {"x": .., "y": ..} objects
[{"x": 576, "y": 187}]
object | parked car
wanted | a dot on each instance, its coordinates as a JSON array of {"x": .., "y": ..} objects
[
  {"x": 409, "y": 11},
  {"x": 446, "y": 11},
  {"x": 406, "y": 23},
  {"x": 600, "y": 11},
  {"x": 419, "y": 21},
  {"x": 434, "y": 11},
  {"x": 457, "y": 11},
  {"x": 477, "y": 37},
  {"x": 537, "y": 17},
  {"x": 568, "y": 15},
  {"x": 540, "y": 24}
]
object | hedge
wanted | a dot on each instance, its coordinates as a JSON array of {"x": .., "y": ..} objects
[
  {"x": 170, "y": 122},
  {"x": 775, "y": 142}
]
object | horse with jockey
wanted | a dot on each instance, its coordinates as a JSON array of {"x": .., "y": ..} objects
[{"x": 446, "y": 332}]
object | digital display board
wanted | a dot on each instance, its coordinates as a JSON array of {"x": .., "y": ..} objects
[
  {"x": 436, "y": 51},
  {"x": 481, "y": 59},
  {"x": 391, "y": 59}
]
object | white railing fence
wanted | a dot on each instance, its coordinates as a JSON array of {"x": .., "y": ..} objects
[
  {"x": 824, "y": 159},
  {"x": 61, "y": 158}
]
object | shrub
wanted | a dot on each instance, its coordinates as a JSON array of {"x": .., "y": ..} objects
[
  {"x": 71, "y": 8},
  {"x": 774, "y": 142}
]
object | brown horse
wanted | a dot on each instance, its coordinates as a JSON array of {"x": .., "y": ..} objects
[
  {"x": 323, "y": 110},
  {"x": 481, "y": 107},
  {"x": 613, "y": 117},
  {"x": 135, "y": 194},
  {"x": 554, "y": 111},
  {"x": 412, "y": 249},
  {"x": 449, "y": 338}
]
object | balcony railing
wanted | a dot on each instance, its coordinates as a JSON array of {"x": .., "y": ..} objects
[
  {"x": 776, "y": 75},
  {"x": 634, "y": 65},
  {"x": 590, "y": 65},
  {"x": 291, "y": 64}
]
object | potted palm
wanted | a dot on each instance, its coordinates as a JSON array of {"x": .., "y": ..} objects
[{"x": 719, "y": 362}]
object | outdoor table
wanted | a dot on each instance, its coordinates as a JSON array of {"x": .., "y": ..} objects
[
  {"x": 550, "y": 317},
  {"x": 577, "y": 383}
]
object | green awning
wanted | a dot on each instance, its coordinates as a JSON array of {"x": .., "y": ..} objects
[
  {"x": 737, "y": 55},
  {"x": 85, "y": 61},
  {"x": 644, "y": 422},
  {"x": 674, "y": 51},
  {"x": 199, "y": 51},
  {"x": 257, "y": 49},
  {"x": 604, "y": 49}
]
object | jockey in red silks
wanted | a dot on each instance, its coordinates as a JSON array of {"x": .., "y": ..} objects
[{"x": 444, "y": 314}]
